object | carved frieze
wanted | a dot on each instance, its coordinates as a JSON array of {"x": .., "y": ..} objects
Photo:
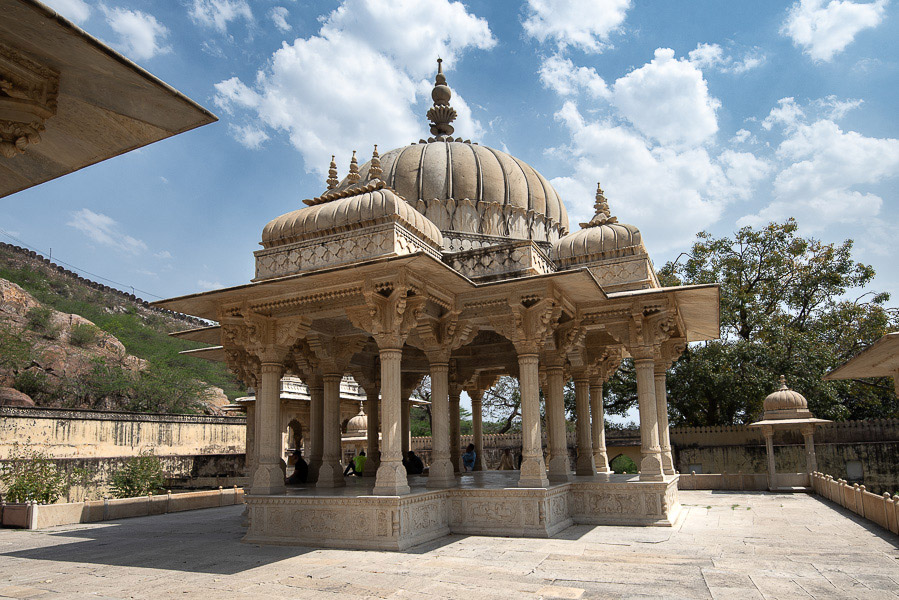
[{"x": 28, "y": 97}]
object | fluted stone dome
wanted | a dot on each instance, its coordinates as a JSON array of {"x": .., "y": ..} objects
[
  {"x": 447, "y": 169},
  {"x": 785, "y": 403},
  {"x": 602, "y": 237},
  {"x": 358, "y": 424}
]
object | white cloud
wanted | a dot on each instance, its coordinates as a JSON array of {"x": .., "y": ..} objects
[
  {"x": 787, "y": 113},
  {"x": 218, "y": 13},
  {"x": 741, "y": 136},
  {"x": 668, "y": 192},
  {"x": 824, "y": 29},
  {"x": 75, "y": 10},
  {"x": 279, "y": 16},
  {"x": 823, "y": 169},
  {"x": 585, "y": 24},
  {"x": 668, "y": 100},
  {"x": 141, "y": 36},
  {"x": 560, "y": 75},
  {"x": 163, "y": 254},
  {"x": 106, "y": 231},
  {"x": 248, "y": 135},
  {"x": 205, "y": 285},
  {"x": 712, "y": 56},
  {"x": 835, "y": 108},
  {"x": 369, "y": 59}
]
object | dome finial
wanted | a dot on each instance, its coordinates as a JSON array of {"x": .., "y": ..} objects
[
  {"x": 603, "y": 215},
  {"x": 353, "y": 176},
  {"x": 441, "y": 114},
  {"x": 332, "y": 175},
  {"x": 374, "y": 169},
  {"x": 783, "y": 383}
]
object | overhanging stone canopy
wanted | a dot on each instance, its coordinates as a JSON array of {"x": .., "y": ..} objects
[
  {"x": 68, "y": 101},
  {"x": 369, "y": 282}
]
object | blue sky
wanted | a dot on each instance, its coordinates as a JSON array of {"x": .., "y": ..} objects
[{"x": 694, "y": 115}]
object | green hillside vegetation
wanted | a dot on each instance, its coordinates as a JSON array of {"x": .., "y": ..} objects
[{"x": 170, "y": 381}]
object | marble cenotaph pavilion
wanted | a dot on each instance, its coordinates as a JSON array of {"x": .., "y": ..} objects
[{"x": 454, "y": 260}]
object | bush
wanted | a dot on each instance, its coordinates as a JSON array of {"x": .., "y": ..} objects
[
  {"x": 34, "y": 383},
  {"x": 40, "y": 320},
  {"x": 623, "y": 464},
  {"x": 31, "y": 475},
  {"x": 14, "y": 351},
  {"x": 141, "y": 476},
  {"x": 83, "y": 335}
]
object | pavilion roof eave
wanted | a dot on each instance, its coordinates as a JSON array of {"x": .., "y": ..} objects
[
  {"x": 206, "y": 335},
  {"x": 880, "y": 359},
  {"x": 212, "y": 354},
  {"x": 698, "y": 306},
  {"x": 791, "y": 422}
]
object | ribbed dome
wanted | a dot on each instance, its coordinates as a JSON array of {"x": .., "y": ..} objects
[
  {"x": 366, "y": 206},
  {"x": 359, "y": 423},
  {"x": 452, "y": 169},
  {"x": 785, "y": 403},
  {"x": 603, "y": 236}
]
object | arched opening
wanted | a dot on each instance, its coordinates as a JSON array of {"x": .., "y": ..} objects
[{"x": 623, "y": 464}]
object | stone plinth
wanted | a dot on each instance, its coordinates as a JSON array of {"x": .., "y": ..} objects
[{"x": 483, "y": 503}]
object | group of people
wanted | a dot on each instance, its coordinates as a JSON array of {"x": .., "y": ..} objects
[{"x": 412, "y": 462}]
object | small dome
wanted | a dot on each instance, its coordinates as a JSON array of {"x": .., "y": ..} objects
[
  {"x": 602, "y": 237},
  {"x": 345, "y": 210},
  {"x": 359, "y": 423},
  {"x": 785, "y": 403}
]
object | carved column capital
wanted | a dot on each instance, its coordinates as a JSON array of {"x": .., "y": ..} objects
[
  {"x": 389, "y": 313},
  {"x": 528, "y": 324}
]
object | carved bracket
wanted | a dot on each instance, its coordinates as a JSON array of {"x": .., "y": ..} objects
[{"x": 28, "y": 96}]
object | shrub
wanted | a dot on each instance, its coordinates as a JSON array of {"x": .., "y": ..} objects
[
  {"x": 40, "y": 320},
  {"x": 31, "y": 475},
  {"x": 140, "y": 476},
  {"x": 83, "y": 335},
  {"x": 14, "y": 351},
  {"x": 623, "y": 464},
  {"x": 34, "y": 383}
]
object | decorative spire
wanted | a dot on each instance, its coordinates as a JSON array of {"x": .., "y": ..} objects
[
  {"x": 361, "y": 411},
  {"x": 332, "y": 175},
  {"x": 783, "y": 383},
  {"x": 441, "y": 114},
  {"x": 603, "y": 215},
  {"x": 374, "y": 169},
  {"x": 353, "y": 177}
]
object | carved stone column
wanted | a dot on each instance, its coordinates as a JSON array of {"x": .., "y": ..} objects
[
  {"x": 477, "y": 429},
  {"x": 331, "y": 473},
  {"x": 391, "y": 478},
  {"x": 268, "y": 478},
  {"x": 441, "y": 473},
  {"x": 662, "y": 415},
  {"x": 533, "y": 469},
  {"x": 651, "y": 463},
  {"x": 250, "y": 460},
  {"x": 768, "y": 432},
  {"x": 373, "y": 452},
  {"x": 597, "y": 420},
  {"x": 811, "y": 461},
  {"x": 455, "y": 429},
  {"x": 585, "y": 464},
  {"x": 316, "y": 425},
  {"x": 559, "y": 463}
]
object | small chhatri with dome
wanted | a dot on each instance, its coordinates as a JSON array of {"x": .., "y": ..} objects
[{"x": 454, "y": 260}]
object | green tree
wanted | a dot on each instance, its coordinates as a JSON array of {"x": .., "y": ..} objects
[
  {"x": 790, "y": 305},
  {"x": 31, "y": 475},
  {"x": 141, "y": 476}
]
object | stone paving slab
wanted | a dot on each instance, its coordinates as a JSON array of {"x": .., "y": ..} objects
[{"x": 727, "y": 545}]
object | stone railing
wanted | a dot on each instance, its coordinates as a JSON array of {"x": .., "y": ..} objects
[
  {"x": 31, "y": 515},
  {"x": 882, "y": 510}
]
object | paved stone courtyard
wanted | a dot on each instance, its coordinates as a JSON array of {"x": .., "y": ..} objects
[{"x": 726, "y": 545}]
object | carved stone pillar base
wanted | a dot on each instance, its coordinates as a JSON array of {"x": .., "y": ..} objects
[
  {"x": 391, "y": 480},
  {"x": 559, "y": 468},
  {"x": 440, "y": 474},
  {"x": 268, "y": 479}
]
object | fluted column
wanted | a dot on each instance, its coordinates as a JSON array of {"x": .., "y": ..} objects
[
  {"x": 455, "y": 430},
  {"x": 651, "y": 463},
  {"x": 533, "y": 469},
  {"x": 477, "y": 429},
  {"x": 559, "y": 463},
  {"x": 267, "y": 477},
  {"x": 330, "y": 475},
  {"x": 811, "y": 461},
  {"x": 585, "y": 464},
  {"x": 598, "y": 424},
  {"x": 441, "y": 473},
  {"x": 373, "y": 450},
  {"x": 391, "y": 479},
  {"x": 316, "y": 425},
  {"x": 662, "y": 415}
]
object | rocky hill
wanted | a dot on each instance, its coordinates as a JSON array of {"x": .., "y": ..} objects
[{"x": 68, "y": 341}]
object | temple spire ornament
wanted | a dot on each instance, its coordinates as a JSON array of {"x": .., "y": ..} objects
[
  {"x": 374, "y": 169},
  {"x": 441, "y": 114},
  {"x": 353, "y": 177},
  {"x": 332, "y": 174},
  {"x": 603, "y": 215}
]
